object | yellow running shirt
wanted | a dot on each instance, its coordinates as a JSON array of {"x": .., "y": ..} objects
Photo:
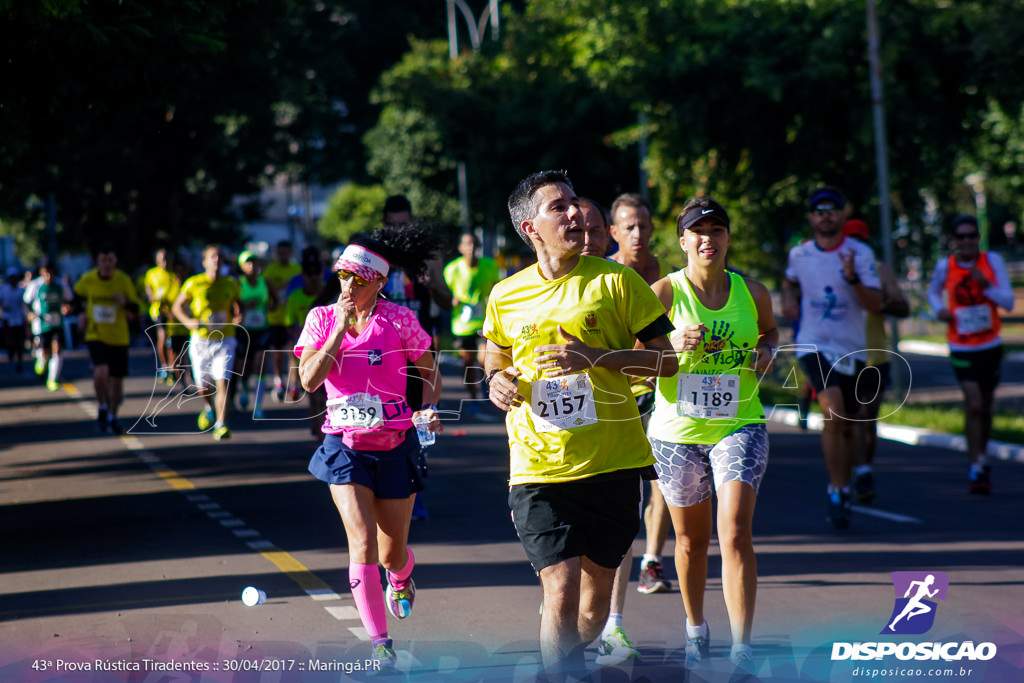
[
  {"x": 158, "y": 280},
  {"x": 211, "y": 303},
  {"x": 585, "y": 424},
  {"x": 107, "y": 322},
  {"x": 277, "y": 276},
  {"x": 174, "y": 328}
]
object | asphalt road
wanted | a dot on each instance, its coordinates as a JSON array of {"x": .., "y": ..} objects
[{"x": 133, "y": 551}]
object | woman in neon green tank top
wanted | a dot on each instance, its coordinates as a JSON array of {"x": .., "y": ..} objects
[{"x": 707, "y": 429}]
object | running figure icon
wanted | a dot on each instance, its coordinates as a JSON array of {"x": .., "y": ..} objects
[
  {"x": 915, "y": 606},
  {"x": 916, "y": 594}
]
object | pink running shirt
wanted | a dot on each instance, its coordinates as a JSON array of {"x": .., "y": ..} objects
[{"x": 372, "y": 363}]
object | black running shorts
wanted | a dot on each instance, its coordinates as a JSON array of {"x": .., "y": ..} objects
[{"x": 597, "y": 517}]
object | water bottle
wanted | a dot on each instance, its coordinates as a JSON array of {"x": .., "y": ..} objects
[{"x": 423, "y": 433}]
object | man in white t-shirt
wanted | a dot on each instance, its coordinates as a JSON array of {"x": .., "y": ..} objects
[{"x": 830, "y": 284}]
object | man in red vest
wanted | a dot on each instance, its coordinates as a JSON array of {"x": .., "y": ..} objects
[{"x": 966, "y": 292}]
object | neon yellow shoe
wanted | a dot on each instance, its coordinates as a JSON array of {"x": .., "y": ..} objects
[
  {"x": 40, "y": 366},
  {"x": 221, "y": 433},
  {"x": 205, "y": 420},
  {"x": 52, "y": 385}
]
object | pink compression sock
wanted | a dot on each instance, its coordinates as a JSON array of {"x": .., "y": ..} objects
[
  {"x": 398, "y": 579},
  {"x": 368, "y": 594}
]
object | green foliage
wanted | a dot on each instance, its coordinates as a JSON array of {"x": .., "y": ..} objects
[
  {"x": 147, "y": 118},
  {"x": 752, "y": 101},
  {"x": 353, "y": 208}
]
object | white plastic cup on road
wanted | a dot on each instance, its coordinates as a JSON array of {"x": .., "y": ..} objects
[
  {"x": 253, "y": 596},
  {"x": 423, "y": 433}
]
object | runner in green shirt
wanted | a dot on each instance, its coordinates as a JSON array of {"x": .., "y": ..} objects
[{"x": 470, "y": 279}]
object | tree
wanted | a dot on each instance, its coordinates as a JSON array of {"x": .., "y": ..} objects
[
  {"x": 148, "y": 118},
  {"x": 753, "y": 101},
  {"x": 353, "y": 208}
]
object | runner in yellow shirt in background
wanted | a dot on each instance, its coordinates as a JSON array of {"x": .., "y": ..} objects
[
  {"x": 109, "y": 295},
  {"x": 209, "y": 305},
  {"x": 297, "y": 307},
  {"x": 157, "y": 282},
  {"x": 277, "y": 274}
]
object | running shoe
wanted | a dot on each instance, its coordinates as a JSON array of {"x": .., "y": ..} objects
[
  {"x": 52, "y": 385},
  {"x": 102, "y": 421},
  {"x": 293, "y": 394},
  {"x": 839, "y": 510},
  {"x": 399, "y": 602},
  {"x": 614, "y": 648},
  {"x": 115, "y": 426},
  {"x": 40, "y": 366},
  {"x": 278, "y": 391},
  {"x": 981, "y": 482},
  {"x": 161, "y": 376},
  {"x": 205, "y": 419},
  {"x": 742, "y": 656},
  {"x": 864, "y": 487},
  {"x": 698, "y": 649},
  {"x": 384, "y": 658},
  {"x": 221, "y": 433},
  {"x": 652, "y": 580}
]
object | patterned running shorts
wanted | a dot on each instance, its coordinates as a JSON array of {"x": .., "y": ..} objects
[{"x": 685, "y": 471}]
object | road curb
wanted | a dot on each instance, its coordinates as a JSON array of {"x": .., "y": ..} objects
[
  {"x": 913, "y": 436},
  {"x": 937, "y": 349}
]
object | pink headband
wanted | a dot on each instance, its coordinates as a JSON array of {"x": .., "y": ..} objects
[{"x": 362, "y": 262}]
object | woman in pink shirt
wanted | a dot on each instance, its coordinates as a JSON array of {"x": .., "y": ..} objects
[{"x": 358, "y": 348}]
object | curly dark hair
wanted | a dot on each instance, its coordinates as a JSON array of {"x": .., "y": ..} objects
[{"x": 407, "y": 246}]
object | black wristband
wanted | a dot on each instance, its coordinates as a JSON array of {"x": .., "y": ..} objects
[
  {"x": 855, "y": 280},
  {"x": 490, "y": 376}
]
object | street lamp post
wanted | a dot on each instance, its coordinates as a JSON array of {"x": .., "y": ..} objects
[
  {"x": 882, "y": 164},
  {"x": 476, "y": 29},
  {"x": 976, "y": 181}
]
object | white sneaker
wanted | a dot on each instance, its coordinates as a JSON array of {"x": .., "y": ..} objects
[
  {"x": 742, "y": 657},
  {"x": 698, "y": 649},
  {"x": 614, "y": 648}
]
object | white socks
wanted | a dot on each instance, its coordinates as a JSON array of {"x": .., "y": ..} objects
[
  {"x": 696, "y": 631},
  {"x": 56, "y": 363}
]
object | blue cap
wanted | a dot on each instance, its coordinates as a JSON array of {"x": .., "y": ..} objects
[{"x": 826, "y": 195}]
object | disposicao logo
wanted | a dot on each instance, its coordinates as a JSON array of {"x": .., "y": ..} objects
[
  {"x": 913, "y": 613},
  {"x": 914, "y": 610}
]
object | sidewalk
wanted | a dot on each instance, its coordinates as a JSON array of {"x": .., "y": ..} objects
[{"x": 912, "y": 436}]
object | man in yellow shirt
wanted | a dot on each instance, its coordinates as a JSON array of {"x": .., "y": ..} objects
[
  {"x": 109, "y": 295},
  {"x": 561, "y": 336},
  {"x": 209, "y": 305},
  {"x": 277, "y": 274},
  {"x": 157, "y": 282}
]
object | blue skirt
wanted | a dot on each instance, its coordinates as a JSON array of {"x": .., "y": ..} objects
[{"x": 397, "y": 473}]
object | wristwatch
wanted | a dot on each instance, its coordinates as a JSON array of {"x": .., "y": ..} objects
[{"x": 491, "y": 374}]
